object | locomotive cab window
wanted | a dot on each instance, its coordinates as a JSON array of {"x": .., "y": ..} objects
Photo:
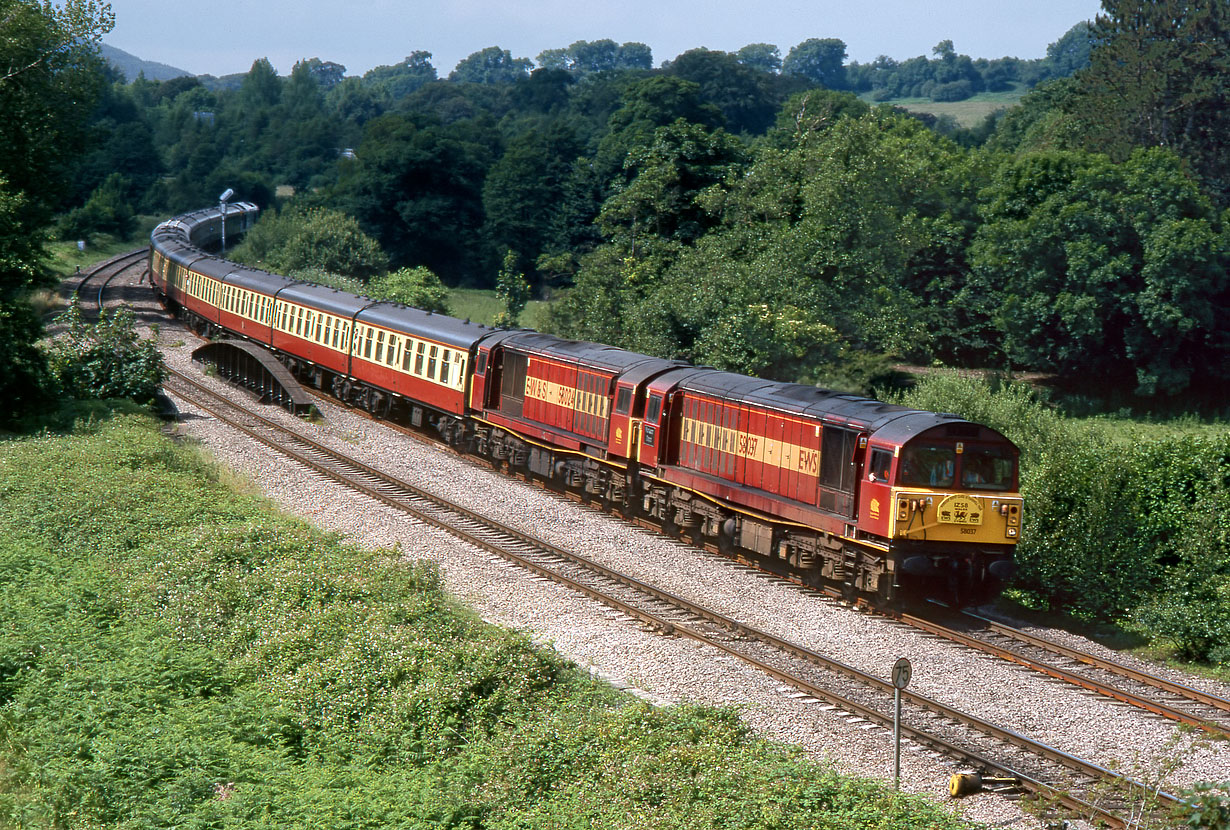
[
  {"x": 655, "y": 408},
  {"x": 623, "y": 401},
  {"x": 881, "y": 460},
  {"x": 927, "y": 465},
  {"x": 987, "y": 468}
]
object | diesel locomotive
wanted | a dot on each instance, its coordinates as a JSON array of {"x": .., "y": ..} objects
[{"x": 883, "y": 501}]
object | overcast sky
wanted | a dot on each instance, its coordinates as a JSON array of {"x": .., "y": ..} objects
[{"x": 221, "y": 37}]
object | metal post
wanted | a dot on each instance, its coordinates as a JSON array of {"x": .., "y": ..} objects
[
  {"x": 896, "y": 739},
  {"x": 223, "y": 198},
  {"x": 902, "y": 670}
]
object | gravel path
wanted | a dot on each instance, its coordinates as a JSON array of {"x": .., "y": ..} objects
[{"x": 666, "y": 670}]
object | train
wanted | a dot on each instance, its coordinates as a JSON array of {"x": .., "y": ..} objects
[{"x": 880, "y": 502}]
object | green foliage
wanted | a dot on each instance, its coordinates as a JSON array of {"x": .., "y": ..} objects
[
  {"x": 1157, "y": 78},
  {"x": 416, "y": 287},
  {"x": 106, "y": 211},
  {"x": 297, "y": 239},
  {"x": 492, "y": 65},
  {"x": 585, "y": 57},
  {"x": 1093, "y": 269},
  {"x": 173, "y": 655},
  {"x": 108, "y": 359},
  {"x": 1206, "y": 807},
  {"x": 512, "y": 290},
  {"x": 821, "y": 60},
  {"x": 418, "y": 188}
]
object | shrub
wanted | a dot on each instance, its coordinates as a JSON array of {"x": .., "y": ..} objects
[
  {"x": 106, "y": 360},
  {"x": 417, "y": 287},
  {"x": 954, "y": 91}
]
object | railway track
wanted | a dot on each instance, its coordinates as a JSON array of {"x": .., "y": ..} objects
[
  {"x": 1084, "y": 789},
  {"x": 94, "y": 284},
  {"x": 1165, "y": 698}
]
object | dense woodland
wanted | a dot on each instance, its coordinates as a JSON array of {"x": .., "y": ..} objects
[{"x": 744, "y": 210}]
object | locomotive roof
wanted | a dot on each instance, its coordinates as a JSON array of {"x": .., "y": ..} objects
[
  {"x": 596, "y": 355},
  {"x": 889, "y": 421}
]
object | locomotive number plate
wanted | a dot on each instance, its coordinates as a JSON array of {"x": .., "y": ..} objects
[{"x": 960, "y": 510}]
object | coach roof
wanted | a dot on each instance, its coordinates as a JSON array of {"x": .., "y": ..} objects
[{"x": 461, "y": 334}]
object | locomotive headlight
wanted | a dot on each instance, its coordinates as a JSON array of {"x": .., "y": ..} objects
[{"x": 1012, "y": 533}]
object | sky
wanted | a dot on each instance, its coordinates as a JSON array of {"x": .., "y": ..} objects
[{"x": 222, "y": 37}]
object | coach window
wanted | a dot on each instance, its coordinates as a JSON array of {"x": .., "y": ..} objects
[
  {"x": 368, "y": 342},
  {"x": 406, "y": 355},
  {"x": 448, "y": 356},
  {"x": 431, "y": 362},
  {"x": 418, "y": 359},
  {"x": 379, "y": 347}
]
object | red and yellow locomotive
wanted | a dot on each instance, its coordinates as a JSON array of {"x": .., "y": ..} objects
[{"x": 881, "y": 500}]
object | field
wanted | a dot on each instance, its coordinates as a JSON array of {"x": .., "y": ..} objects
[{"x": 968, "y": 113}]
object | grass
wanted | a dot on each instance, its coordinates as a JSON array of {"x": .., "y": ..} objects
[
  {"x": 482, "y": 306},
  {"x": 66, "y": 258},
  {"x": 174, "y": 653},
  {"x": 968, "y": 113}
]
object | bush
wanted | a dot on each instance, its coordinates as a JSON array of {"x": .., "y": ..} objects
[
  {"x": 106, "y": 360},
  {"x": 417, "y": 287},
  {"x": 954, "y": 91}
]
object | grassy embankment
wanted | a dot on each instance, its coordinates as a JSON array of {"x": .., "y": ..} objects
[{"x": 174, "y": 653}]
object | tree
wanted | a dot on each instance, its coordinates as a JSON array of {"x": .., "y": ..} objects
[
  {"x": 821, "y": 60},
  {"x": 1159, "y": 76},
  {"x": 1070, "y": 53},
  {"x": 312, "y": 238},
  {"x": 523, "y": 191},
  {"x": 392, "y": 83},
  {"x": 326, "y": 73},
  {"x": 1105, "y": 273},
  {"x": 417, "y": 187},
  {"x": 731, "y": 86},
  {"x": 492, "y": 65},
  {"x": 512, "y": 290},
  {"x": 49, "y": 79},
  {"x": 763, "y": 56},
  {"x": 584, "y": 57},
  {"x": 108, "y": 359},
  {"x": 675, "y": 187}
]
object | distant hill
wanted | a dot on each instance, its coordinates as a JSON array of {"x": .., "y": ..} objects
[{"x": 132, "y": 66}]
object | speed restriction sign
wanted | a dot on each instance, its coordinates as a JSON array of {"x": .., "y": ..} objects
[{"x": 901, "y": 673}]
